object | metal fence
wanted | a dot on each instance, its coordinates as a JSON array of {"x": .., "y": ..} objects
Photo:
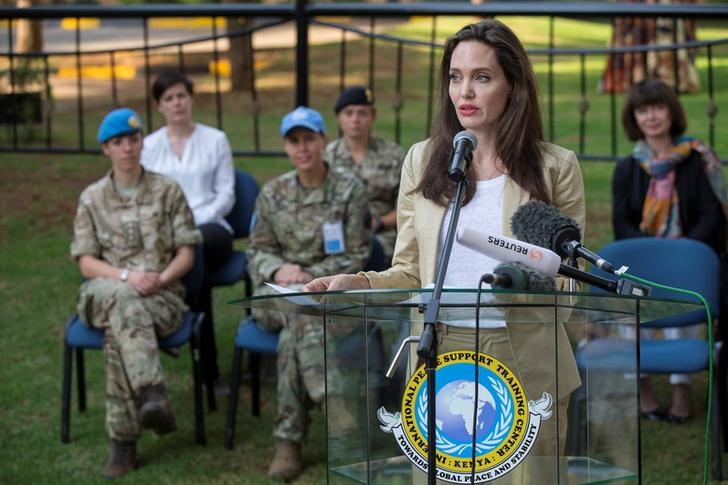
[{"x": 401, "y": 70}]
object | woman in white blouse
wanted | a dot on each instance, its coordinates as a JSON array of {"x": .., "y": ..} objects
[{"x": 199, "y": 158}]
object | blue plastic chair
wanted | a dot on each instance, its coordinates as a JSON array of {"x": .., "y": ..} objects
[
  {"x": 239, "y": 218},
  {"x": 80, "y": 337},
  {"x": 257, "y": 341},
  {"x": 236, "y": 267},
  {"x": 681, "y": 263}
]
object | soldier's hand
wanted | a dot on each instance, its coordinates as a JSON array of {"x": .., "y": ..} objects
[
  {"x": 137, "y": 281},
  {"x": 155, "y": 282},
  {"x": 288, "y": 274},
  {"x": 144, "y": 283},
  {"x": 301, "y": 277}
]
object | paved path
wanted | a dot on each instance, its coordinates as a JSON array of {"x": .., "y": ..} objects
[
  {"x": 125, "y": 33},
  {"x": 59, "y": 37}
]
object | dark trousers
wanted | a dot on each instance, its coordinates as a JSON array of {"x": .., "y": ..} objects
[{"x": 217, "y": 246}]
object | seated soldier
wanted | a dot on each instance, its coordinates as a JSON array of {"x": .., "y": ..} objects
[
  {"x": 133, "y": 237},
  {"x": 310, "y": 222},
  {"x": 376, "y": 161}
]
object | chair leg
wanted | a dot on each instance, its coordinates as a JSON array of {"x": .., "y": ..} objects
[
  {"x": 211, "y": 401},
  {"x": 81, "y": 379},
  {"x": 233, "y": 399},
  {"x": 255, "y": 382},
  {"x": 197, "y": 383},
  {"x": 66, "y": 393},
  {"x": 715, "y": 418},
  {"x": 574, "y": 425},
  {"x": 208, "y": 355},
  {"x": 248, "y": 292},
  {"x": 721, "y": 375}
]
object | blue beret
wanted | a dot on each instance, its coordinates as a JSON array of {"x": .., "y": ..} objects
[
  {"x": 121, "y": 121},
  {"x": 305, "y": 117},
  {"x": 354, "y": 95}
]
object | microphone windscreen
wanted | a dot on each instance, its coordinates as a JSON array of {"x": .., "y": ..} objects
[
  {"x": 531, "y": 279},
  {"x": 465, "y": 134},
  {"x": 544, "y": 225}
]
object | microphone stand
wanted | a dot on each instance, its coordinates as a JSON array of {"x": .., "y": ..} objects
[
  {"x": 427, "y": 348},
  {"x": 572, "y": 263}
]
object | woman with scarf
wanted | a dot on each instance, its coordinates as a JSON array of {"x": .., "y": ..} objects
[{"x": 671, "y": 186}]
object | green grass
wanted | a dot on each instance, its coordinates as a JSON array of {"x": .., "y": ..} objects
[{"x": 38, "y": 279}]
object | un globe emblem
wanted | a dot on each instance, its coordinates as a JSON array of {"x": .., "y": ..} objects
[
  {"x": 484, "y": 423},
  {"x": 463, "y": 410}
]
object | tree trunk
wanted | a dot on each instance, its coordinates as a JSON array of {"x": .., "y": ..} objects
[
  {"x": 29, "y": 33},
  {"x": 240, "y": 53},
  {"x": 676, "y": 68}
]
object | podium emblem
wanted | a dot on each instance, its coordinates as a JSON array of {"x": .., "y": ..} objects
[{"x": 493, "y": 415}]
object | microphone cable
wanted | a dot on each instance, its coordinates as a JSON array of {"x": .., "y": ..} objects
[
  {"x": 477, "y": 369},
  {"x": 706, "y": 446}
]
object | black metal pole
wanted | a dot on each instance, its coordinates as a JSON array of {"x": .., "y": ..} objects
[
  {"x": 147, "y": 74},
  {"x": 431, "y": 77},
  {"x": 301, "y": 53},
  {"x": 427, "y": 348},
  {"x": 552, "y": 122},
  {"x": 79, "y": 84},
  {"x": 11, "y": 73},
  {"x": 216, "y": 60}
]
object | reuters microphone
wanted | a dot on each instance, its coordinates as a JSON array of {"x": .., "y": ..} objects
[{"x": 503, "y": 248}]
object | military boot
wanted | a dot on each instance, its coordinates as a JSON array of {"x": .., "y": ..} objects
[
  {"x": 155, "y": 412},
  {"x": 122, "y": 460},
  {"x": 287, "y": 462},
  {"x": 339, "y": 419}
]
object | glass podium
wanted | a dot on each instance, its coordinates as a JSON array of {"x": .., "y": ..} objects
[{"x": 513, "y": 426}]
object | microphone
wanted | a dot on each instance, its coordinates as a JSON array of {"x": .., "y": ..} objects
[
  {"x": 464, "y": 144},
  {"x": 518, "y": 276},
  {"x": 535, "y": 257},
  {"x": 507, "y": 249},
  {"x": 544, "y": 225}
]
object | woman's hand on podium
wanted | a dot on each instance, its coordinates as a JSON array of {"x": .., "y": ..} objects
[{"x": 337, "y": 282}]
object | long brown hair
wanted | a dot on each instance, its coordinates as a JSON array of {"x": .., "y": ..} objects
[{"x": 519, "y": 129}]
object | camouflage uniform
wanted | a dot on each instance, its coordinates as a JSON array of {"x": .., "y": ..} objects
[
  {"x": 142, "y": 233},
  {"x": 288, "y": 229},
  {"x": 379, "y": 171}
]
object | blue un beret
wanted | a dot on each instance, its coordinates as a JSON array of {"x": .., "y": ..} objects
[
  {"x": 121, "y": 121},
  {"x": 305, "y": 117}
]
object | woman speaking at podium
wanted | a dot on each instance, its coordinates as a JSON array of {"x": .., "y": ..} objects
[{"x": 488, "y": 87}]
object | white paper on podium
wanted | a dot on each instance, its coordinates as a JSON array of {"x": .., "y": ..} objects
[
  {"x": 298, "y": 300},
  {"x": 311, "y": 303}
]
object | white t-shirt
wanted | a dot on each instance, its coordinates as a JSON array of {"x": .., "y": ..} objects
[
  {"x": 484, "y": 212},
  {"x": 205, "y": 171}
]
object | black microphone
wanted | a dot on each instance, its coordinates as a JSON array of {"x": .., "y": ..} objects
[
  {"x": 544, "y": 225},
  {"x": 518, "y": 276},
  {"x": 464, "y": 144}
]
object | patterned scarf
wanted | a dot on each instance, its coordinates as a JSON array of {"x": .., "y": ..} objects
[{"x": 660, "y": 211}]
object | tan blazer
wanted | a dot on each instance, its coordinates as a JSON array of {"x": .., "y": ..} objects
[{"x": 414, "y": 264}]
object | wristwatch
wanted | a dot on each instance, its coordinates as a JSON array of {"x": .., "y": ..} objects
[{"x": 124, "y": 274}]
